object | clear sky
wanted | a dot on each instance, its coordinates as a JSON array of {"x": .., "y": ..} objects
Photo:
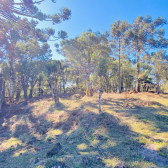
[{"x": 98, "y": 15}]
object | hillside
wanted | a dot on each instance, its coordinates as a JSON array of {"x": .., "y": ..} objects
[{"x": 132, "y": 129}]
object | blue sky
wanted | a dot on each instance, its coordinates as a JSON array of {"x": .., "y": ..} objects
[{"x": 98, "y": 15}]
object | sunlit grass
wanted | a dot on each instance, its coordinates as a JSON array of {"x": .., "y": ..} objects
[
  {"x": 12, "y": 142},
  {"x": 19, "y": 152},
  {"x": 82, "y": 146},
  {"x": 112, "y": 161},
  {"x": 89, "y": 153},
  {"x": 91, "y": 137},
  {"x": 94, "y": 142},
  {"x": 53, "y": 133},
  {"x": 109, "y": 143}
]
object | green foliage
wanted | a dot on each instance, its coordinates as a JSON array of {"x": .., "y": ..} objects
[
  {"x": 10, "y": 8},
  {"x": 92, "y": 60},
  {"x": 83, "y": 53},
  {"x": 53, "y": 68},
  {"x": 102, "y": 67}
]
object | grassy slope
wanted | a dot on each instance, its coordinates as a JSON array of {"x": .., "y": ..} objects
[{"x": 130, "y": 129}]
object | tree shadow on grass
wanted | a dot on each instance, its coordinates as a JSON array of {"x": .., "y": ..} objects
[
  {"x": 21, "y": 136},
  {"x": 103, "y": 137},
  {"x": 88, "y": 139},
  {"x": 145, "y": 111}
]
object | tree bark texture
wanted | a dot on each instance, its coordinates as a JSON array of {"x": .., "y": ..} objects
[
  {"x": 64, "y": 86},
  {"x": 25, "y": 85},
  {"x": 138, "y": 70},
  {"x": 32, "y": 84},
  {"x": 100, "y": 101},
  {"x": 2, "y": 92},
  {"x": 18, "y": 91},
  {"x": 88, "y": 86},
  {"x": 158, "y": 87},
  {"x": 11, "y": 94},
  {"x": 119, "y": 75},
  {"x": 77, "y": 84},
  {"x": 54, "y": 91},
  {"x": 31, "y": 93}
]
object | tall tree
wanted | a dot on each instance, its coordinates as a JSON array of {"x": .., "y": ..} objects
[
  {"x": 54, "y": 77},
  {"x": 9, "y": 37},
  {"x": 146, "y": 34},
  {"x": 159, "y": 62},
  {"x": 36, "y": 68},
  {"x": 80, "y": 53},
  {"x": 30, "y": 57},
  {"x": 101, "y": 71},
  {"x": 64, "y": 74},
  {"x": 18, "y": 41},
  {"x": 118, "y": 29}
]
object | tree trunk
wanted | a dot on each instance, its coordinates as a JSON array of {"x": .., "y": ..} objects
[
  {"x": 32, "y": 84},
  {"x": 4, "y": 102},
  {"x": 39, "y": 88},
  {"x": 158, "y": 87},
  {"x": 107, "y": 87},
  {"x": 107, "y": 84},
  {"x": 138, "y": 70},
  {"x": 11, "y": 81},
  {"x": 25, "y": 93},
  {"x": 31, "y": 93},
  {"x": 60, "y": 87},
  {"x": 122, "y": 84},
  {"x": 31, "y": 90},
  {"x": 88, "y": 86},
  {"x": 18, "y": 89},
  {"x": 2, "y": 92},
  {"x": 64, "y": 86},
  {"x": 54, "y": 92},
  {"x": 147, "y": 87},
  {"x": 99, "y": 101},
  {"x": 55, "y": 95},
  {"x": 18, "y": 94},
  {"x": 77, "y": 84},
  {"x": 119, "y": 84},
  {"x": 25, "y": 88}
]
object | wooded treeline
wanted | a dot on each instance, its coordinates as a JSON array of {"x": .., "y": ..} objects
[{"x": 127, "y": 57}]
